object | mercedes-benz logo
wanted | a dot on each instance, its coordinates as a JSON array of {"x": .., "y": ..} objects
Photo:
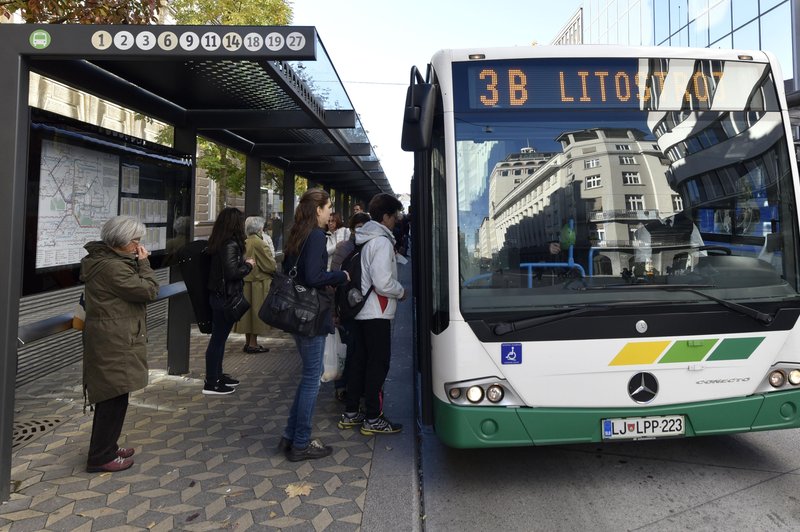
[{"x": 643, "y": 387}]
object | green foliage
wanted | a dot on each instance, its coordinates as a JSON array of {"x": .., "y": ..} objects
[
  {"x": 232, "y": 12},
  {"x": 223, "y": 165},
  {"x": 85, "y": 12}
]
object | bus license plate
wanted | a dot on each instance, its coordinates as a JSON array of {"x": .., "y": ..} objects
[{"x": 638, "y": 428}]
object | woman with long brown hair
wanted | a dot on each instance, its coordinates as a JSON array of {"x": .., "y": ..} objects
[
  {"x": 306, "y": 246},
  {"x": 228, "y": 269}
]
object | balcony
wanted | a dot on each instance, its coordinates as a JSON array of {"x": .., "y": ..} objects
[{"x": 623, "y": 215}]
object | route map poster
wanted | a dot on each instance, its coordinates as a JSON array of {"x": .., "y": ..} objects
[{"x": 78, "y": 193}]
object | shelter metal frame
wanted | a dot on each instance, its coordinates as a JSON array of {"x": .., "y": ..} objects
[{"x": 243, "y": 87}]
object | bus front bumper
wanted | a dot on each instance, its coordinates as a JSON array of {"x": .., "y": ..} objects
[{"x": 471, "y": 427}]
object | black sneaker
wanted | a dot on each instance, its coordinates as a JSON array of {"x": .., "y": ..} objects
[
  {"x": 227, "y": 380},
  {"x": 381, "y": 425},
  {"x": 284, "y": 445},
  {"x": 350, "y": 421},
  {"x": 217, "y": 388},
  {"x": 316, "y": 449}
]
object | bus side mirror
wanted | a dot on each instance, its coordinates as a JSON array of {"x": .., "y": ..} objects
[{"x": 418, "y": 114}]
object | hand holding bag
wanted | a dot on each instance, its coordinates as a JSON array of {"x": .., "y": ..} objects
[{"x": 290, "y": 306}]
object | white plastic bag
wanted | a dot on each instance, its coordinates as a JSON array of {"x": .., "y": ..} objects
[{"x": 333, "y": 357}]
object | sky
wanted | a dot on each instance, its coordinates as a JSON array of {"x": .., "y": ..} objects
[{"x": 374, "y": 43}]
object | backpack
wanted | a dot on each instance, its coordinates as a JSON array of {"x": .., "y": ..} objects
[
  {"x": 195, "y": 266},
  {"x": 349, "y": 299}
]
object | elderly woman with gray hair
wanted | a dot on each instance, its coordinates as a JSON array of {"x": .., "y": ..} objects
[
  {"x": 256, "y": 283},
  {"x": 119, "y": 284}
]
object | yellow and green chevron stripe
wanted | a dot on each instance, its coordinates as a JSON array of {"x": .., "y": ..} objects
[{"x": 668, "y": 352}]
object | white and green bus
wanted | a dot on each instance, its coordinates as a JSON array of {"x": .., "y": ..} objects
[{"x": 605, "y": 244}]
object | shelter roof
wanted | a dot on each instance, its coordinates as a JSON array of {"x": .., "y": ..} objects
[{"x": 290, "y": 111}]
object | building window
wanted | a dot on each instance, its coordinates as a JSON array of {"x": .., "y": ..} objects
[
  {"x": 677, "y": 203},
  {"x": 623, "y": 147},
  {"x": 593, "y": 181},
  {"x": 626, "y": 159},
  {"x": 634, "y": 202},
  {"x": 631, "y": 178},
  {"x": 591, "y": 163}
]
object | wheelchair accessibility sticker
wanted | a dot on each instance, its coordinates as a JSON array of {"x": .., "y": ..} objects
[{"x": 511, "y": 353}]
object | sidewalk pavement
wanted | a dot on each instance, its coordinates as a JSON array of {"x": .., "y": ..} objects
[{"x": 211, "y": 462}]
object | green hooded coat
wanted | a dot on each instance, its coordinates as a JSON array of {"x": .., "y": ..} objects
[{"x": 118, "y": 288}]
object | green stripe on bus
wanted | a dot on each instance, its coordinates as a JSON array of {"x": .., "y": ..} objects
[
  {"x": 688, "y": 351},
  {"x": 736, "y": 348}
]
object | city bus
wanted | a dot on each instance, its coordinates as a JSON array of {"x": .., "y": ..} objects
[{"x": 604, "y": 244}]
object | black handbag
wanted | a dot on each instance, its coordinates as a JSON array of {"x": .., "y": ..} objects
[
  {"x": 290, "y": 306},
  {"x": 235, "y": 306}
]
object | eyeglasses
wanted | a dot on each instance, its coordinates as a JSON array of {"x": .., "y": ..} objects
[{"x": 136, "y": 241}]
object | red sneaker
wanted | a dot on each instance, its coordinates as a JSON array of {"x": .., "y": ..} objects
[
  {"x": 123, "y": 452},
  {"x": 117, "y": 464}
]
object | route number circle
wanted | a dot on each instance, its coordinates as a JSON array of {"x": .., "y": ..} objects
[
  {"x": 295, "y": 41},
  {"x": 189, "y": 41},
  {"x": 232, "y": 41},
  {"x": 102, "y": 40},
  {"x": 210, "y": 41},
  {"x": 124, "y": 40},
  {"x": 145, "y": 40},
  {"x": 253, "y": 42},
  {"x": 274, "y": 41},
  {"x": 167, "y": 41}
]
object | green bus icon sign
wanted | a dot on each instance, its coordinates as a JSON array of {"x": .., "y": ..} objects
[{"x": 40, "y": 39}]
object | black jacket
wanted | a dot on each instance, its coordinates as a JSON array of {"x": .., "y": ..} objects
[{"x": 228, "y": 267}]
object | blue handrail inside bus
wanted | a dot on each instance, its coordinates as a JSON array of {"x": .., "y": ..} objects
[{"x": 571, "y": 264}]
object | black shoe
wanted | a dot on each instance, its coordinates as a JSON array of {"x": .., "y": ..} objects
[
  {"x": 227, "y": 380},
  {"x": 217, "y": 388},
  {"x": 284, "y": 445},
  {"x": 316, "y": 449}
]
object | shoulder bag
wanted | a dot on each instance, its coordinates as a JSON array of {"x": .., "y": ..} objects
[
  {"x": 236, "y": 305},
  {"x": 290, "y": 306}
]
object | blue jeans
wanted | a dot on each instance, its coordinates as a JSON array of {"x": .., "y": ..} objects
[
  {"x": 220, "y": 329},
  {"x": 298, "y": 428}
]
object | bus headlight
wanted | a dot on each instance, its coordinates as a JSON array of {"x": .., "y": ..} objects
[
  {"x": 495, "y": 392},
  {"x": 475, "y": 394},
  {"x": 794, "y": 376},
  {"x": 777, "y": 379},
  {"x": 455, "y": 393}
]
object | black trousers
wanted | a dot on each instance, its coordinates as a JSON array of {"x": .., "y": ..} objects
[
  {"x": 369, "y": 366},
  {"x": 109, "y": 415}
]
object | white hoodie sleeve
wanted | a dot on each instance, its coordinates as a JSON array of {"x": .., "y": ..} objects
[{"x": 383, "y": 269}]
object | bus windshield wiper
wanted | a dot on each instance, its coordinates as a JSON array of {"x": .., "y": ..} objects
[
  {"x": 511, "y": 326},
  {"x": 757, "y": 315}
]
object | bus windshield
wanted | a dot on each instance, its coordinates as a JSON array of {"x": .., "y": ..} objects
[{"x": 579, "y": 180}]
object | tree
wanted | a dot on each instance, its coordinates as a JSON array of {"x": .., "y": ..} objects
[
  {"x": 86, "y": 12},
  {"x": 232, "y": 12}
]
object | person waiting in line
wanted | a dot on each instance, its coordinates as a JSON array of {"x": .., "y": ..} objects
[
  {"x": 305, "y": 246},
  {"x": 358, "y": 207},
  {"x": 343, "y": 249},
  {"x": 373, "y": 344},
  {"x": 337, "y": 232},
  {"x": 228, "y": 269},
  {"x": 256, "y": 284},
  {"x": 119, "y": 284}
]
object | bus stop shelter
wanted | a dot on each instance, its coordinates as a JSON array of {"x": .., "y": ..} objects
[{"x": 271, "y": 93}]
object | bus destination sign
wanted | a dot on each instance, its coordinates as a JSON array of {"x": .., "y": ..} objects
[{"x": 579, "y": 83}]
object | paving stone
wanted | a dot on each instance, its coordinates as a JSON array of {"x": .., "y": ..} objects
[{"x": 202, "y": 463}]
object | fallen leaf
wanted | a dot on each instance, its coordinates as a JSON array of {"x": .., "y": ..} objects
[
  {"x": 301, "y": 488},
  {"x": 192, "y": 517}
]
